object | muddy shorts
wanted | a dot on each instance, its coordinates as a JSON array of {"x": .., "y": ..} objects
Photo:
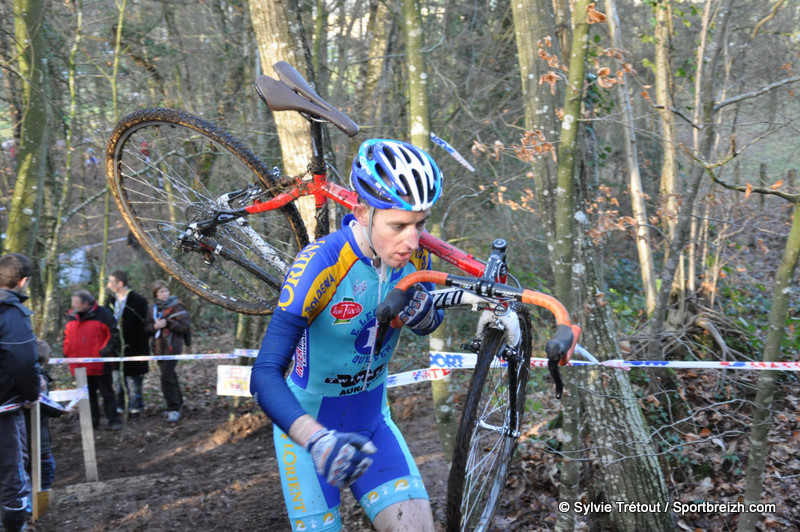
[{"x": 393, "y": 477}]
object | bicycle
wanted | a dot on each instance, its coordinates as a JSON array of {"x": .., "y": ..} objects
[{"x": 213, "y": 216}]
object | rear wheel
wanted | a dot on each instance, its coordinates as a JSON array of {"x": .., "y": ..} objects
[
  {"x": 489, "y": 428},
  {"x": 167, "y": 169}
]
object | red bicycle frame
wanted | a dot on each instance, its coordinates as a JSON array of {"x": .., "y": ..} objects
[{"x": 321, "y": 189}]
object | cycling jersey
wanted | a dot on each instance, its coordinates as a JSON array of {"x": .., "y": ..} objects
[{"x": 326, "y": 318}]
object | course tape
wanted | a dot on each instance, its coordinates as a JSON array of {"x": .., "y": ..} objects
[
  {"x": 235, "y": 380},
  {"x": 452, "y": 151},
  {"x": 71, "y": 395},
  {"x": 192, "y": 356},
  {"x": 442, "y": 363},
  {"x": 444, "y": 359}
]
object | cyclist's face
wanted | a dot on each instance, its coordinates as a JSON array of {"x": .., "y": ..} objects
[{"x": 395, "y": 233}]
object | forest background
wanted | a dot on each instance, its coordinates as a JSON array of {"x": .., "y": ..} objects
[{"x": 638, "y": 155}]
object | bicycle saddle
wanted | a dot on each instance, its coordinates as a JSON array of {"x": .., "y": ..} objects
[{"x": 293, "y": 93}]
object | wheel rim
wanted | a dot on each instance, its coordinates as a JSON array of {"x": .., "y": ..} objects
[
  {"x": 169, "y": 175},
  {"x": 481, "y": 467},
  {"x": 490, "y": 448}
]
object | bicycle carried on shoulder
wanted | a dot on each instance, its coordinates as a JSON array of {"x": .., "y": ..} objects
[{"x": 213, "y": 216}]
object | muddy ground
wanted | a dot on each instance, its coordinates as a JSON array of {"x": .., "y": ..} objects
[
  {"x": 208, "y": 472},
  {"x": 205, "y": 472}
]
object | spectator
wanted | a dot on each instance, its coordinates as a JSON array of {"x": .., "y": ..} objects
[
  {"x": 168, "y": 322},
  {"x": 92, "y": 332},
  {"x": 19, "y": 382},
  {"x": 130, "y": 312}
]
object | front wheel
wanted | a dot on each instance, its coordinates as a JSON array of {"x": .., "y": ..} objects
[
  {"x": 168, "y": 169},
  {"x": 489, "y": 428}
]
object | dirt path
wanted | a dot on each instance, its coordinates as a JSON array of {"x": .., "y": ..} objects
[{"x": 204, "y": 473}]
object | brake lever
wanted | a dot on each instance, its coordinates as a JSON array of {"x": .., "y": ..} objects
[{"x": 558, "y": 349}]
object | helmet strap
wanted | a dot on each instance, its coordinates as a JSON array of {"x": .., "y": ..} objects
[{"x": 376, "y": 260}]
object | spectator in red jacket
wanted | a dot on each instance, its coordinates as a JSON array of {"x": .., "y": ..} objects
[{"x": 92, "y": 332}]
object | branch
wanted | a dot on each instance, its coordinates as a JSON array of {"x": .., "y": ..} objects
[
  {"x": 676, "y": 111},
  {"x": 766, "y": 19},
  {"x": 84, "y": 203},
  {"x": 791, "y": 198},
  {"x": 754, "y": 94},
  {"x": 709, "y": 168}
]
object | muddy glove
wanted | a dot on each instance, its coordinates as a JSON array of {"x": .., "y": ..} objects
[
  {"x": 340, "y": 457},
  {"x": 419, "y": 314}
]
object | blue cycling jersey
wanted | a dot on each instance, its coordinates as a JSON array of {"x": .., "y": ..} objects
[
  {"x": 325, "y": 321},
  {"x": 329, "y": 295}
]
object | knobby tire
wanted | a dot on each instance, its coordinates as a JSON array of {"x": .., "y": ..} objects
[
  {"x": 482, "y": 454},
  {"x": 165, "y": 169}
]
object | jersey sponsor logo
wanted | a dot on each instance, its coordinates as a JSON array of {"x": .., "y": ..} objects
[
  {"x": 301, "y": 362},
  {"x": 365, "y": 338},
  {"x": 345, "y": 310},
  {"x": 347, "y": 381},
  {"x": 292, "y": 483},
  {"x": 359, "y": 288},
  {"x": 322, "y": 286},
  {"x": 295, "y": 272}
]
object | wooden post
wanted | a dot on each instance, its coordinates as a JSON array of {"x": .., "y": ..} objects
[
  {"x": 40, "y": 499},
  {"x": 87, "y": 429}
]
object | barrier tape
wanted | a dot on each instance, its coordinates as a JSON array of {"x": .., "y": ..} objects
[
  {"x": 192, "y": 356},
  {"x": 452, "y": 151},
  {"x": 442, "y": 363},
  {"x": 235, "y": 380},
  {"x": 58, "y": 395},
  {"x": 451, "y": 360}
]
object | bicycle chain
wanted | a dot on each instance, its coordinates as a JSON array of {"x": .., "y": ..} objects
[{"x": 238, "y": 284}]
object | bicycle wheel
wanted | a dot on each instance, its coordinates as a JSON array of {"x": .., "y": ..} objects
[
  {"x": 167, "y": 169},
  {"x": 488, "y": 431}
]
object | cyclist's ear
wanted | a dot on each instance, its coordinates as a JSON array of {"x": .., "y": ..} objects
[{"x": 361, "y": 212}]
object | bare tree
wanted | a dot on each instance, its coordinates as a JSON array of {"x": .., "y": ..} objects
[{"x": 34, "y": 134}]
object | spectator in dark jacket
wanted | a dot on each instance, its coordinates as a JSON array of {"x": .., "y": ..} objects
[
  {"x": 169, "y": 324},
  {"x": 130, "y": 311},
  {"x": 19, "y": 383},
  {"x": 92, "y": 332}
]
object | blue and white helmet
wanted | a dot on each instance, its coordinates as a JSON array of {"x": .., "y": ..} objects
[{"x": 390, "y": 174}]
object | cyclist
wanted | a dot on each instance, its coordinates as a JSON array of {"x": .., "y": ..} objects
[{"x": 331, "y": 416}]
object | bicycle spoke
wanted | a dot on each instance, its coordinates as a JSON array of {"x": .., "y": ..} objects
[
  {"x": 172, "y": 170},
  {"x": 486, "y": 439}
]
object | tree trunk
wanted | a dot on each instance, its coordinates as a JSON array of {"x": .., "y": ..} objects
[
  {"x": 617, "y": 428},
  {"x": 663, "y": 90},
  {"x": 419, "y": 131},
  {"x": 51, "y": 266},
  {"x": 535, "y": 28},
  {"x": 567, "y": 151},
  {"x": 620, "y": 438},
  {"x": 643, "y": 246},
  {"x": 766, "y": 381},
  {"x": 279, "y": 37},
  {"x": 33, "y": 141},
  {"x": 706, "y": 141}
]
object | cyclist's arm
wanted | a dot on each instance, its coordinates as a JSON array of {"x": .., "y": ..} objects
[{"x": 267, "y": 382}]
